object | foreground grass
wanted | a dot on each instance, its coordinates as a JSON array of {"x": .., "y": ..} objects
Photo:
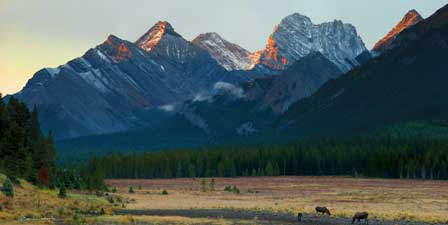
[
  {"x": 173, "y": 220},
  {"x": 415, "y": 200},
  {"x": 32, "y": 205}
]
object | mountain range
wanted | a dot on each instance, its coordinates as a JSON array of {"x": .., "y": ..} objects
[{"x": 163, "y": 91}]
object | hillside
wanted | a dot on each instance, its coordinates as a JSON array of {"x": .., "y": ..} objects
[{"x": 406, "y": 83}]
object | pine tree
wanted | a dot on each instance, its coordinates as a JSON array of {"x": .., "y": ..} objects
[
  {"x": 269, "y": 169},
  {"x": 191, "y": 171},
  {"x": 62, "y": 192},
  {"x": 203, "y": 185},
  {"x": 7, "y": 188},
  {"x": 14, "y": 152},
  {"x": 50, "y": 151},
  {"x": 3, "y": 115},
  {"x": 212, "y": 184},
  {"x": 35, "y": 134}
]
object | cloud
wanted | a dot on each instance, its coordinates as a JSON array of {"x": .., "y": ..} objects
[
  {"x": 167, "y": 108},
  {"x": 229, "y": 88},
  {"x": 200, "y": 97}
]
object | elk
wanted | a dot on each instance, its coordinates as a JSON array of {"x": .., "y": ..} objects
[
  {"x": 360, "y": 216},
  {"x": 323, "y": 210}
]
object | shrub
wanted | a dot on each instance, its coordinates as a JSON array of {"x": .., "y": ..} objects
[
  {"x": 131, "y": 189},
  {"x": 7, "y": 188},
  {"x": 228, "y": 189},
  {"x": 203, "y": 187},
  {"x": 62, "y": 192},
  {"x": 212, "y": 184},
  {"x": 235, "y": 190},
  {"x": 114, "y": 189},
  {"x": 110, "y": 199},
  {"x": 164, "y": 192}
]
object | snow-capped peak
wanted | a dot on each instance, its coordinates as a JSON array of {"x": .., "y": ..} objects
[
  {"x": 296, "y": 36},
  {"x": 411, "y": 18},
  {"x": 151, "y": 38},
  {"x": 228, "y": 55}
]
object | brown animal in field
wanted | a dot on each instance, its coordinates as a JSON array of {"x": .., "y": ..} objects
[
  {"x": 361, "y": 216},
  {"x": 323, "y": 210}
]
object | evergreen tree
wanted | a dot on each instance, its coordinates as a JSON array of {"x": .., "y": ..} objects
[
  {"x": 14, "y": 152},
  {"x": 212, "y": 184},
  {"x": 203, "y": 185},
  {"x": 269, "y": 169},
  {"x": 8, "y": 188},
  {"x": 62, "y": 192}
]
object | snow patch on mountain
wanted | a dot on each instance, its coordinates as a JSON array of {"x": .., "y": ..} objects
[
  {"x": 228, "y": 55},
  {"x": 53, "y": 71}
]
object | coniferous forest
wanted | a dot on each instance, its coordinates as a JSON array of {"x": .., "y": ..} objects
[
  {"x": 27, "y": 153},
  {"x": 382, "y": 157}
]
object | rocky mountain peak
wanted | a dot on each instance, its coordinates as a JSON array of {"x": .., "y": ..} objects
[
  {"x": 295, "y": 19},
  {"x": 296, "y": 36},
  {"x": 410, "y": 18},
  {"x": 151, "y": 38},
  {"x": 116, "y": 48}
]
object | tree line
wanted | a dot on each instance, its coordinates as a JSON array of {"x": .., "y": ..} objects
[
  {"x": 382, "y": 157},
  {"x": 26, "y": 153}
]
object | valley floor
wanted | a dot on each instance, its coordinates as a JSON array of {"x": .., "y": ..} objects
[{"x": 277, "y": 200}]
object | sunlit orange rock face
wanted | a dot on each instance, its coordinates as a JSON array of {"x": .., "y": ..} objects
[
  {"x": 154, "y": 36},
  {"x": 120, "y": 50},
  {"x": 411, "y": 18},
  {"x": 123, "y": 53},
  {"x": 256, "y": 57},
  {"x": 109, "y": 40},
  {"x": 269, "y": 56}
]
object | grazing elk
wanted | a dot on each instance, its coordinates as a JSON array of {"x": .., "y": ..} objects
[
  {"x": 323, "y": 210},
  {"x": 361, "y": 216},
  {"x": 299, "y": 217}
]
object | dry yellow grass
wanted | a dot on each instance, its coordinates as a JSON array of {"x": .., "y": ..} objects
[
  {"x": 37, "y": 204},
  {"x": 382, "y": 198},
  {"x": 173, "y": 220}
]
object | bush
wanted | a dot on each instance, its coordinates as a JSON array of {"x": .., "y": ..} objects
[
  {"x": 164, "y": 192},
  {"x": 131, "y": 189},
  {"x": 110, "y": 199},
  {"x": 235, "y": 190},
  {"x": 203, "y": 187},
  {"x": 62, "y": 192},
  {"x": 114, "y": 189},
  {"x": 212, "y": 184},
  {"x": 228, "y": 188},
  {"x": 7, "y": 188}
]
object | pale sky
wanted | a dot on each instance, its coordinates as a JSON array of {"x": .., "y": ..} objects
[{"x": 46, "y": 33}]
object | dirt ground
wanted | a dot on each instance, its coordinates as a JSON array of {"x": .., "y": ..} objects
[{"x": 391, "y": 200}]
